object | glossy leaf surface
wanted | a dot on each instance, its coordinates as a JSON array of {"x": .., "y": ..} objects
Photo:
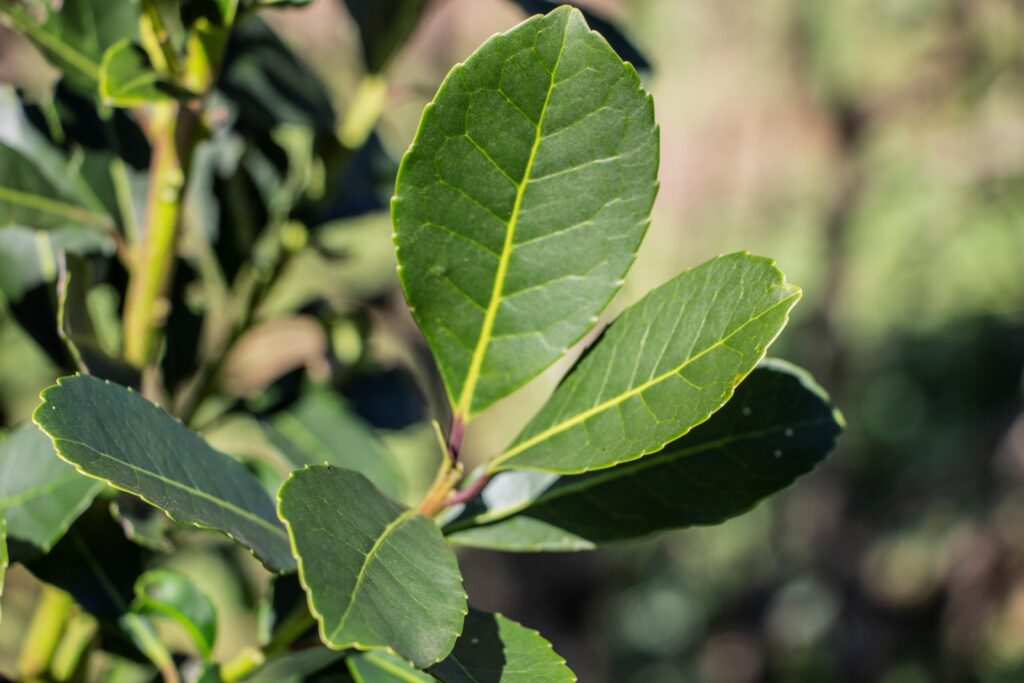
[
  {"x": 377, "y": 575},
  {"x": 495, "y": 649},
  {"x": 663, "y": 367},
  {"x": 522, "y": 202},
  {"x": 162, "y": 592},
  {"x": 116, "y": 435},
  {"x": 778, "y": 426},
  {"x": 40, "y": 495}
]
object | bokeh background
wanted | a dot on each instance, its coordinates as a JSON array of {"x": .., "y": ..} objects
[{"x": 875, "y": 148}]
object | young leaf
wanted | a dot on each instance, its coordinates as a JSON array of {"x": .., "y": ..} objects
[
  {"x": 494, "y": 649},
  {"x": 321, "y": 429},
  {"x": 30, "y": 199},
  {"x": 162, "y": 592},
  {"x": 778, "y": 426},
  {"x": 377, "y": 575},
  {"x": 663, "y": 367},
  {"x": 113, "y": 434},
  {"x": 40, "y": 495},
  {"x": 128, "y": 79},
  {"x": 522, "y": 201}
]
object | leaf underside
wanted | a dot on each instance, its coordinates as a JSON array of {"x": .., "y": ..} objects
[
  {"x": 495, "y": 649},
  {"x": 664, "y": 366},
  {"x": 778, "y": 426},
  {"x": 521, "y": 204},
  {"x": 116, "y": 435},
  {"x": 377, "y": 575},
  {"x": 40, "y": 495}
]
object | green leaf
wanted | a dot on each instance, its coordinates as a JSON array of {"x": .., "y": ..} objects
[
  {"x": 30, "y": 199},
  {"x": 663, "y": 367},
  {"x": 494, "y": 649},
  {"x": 522, "y": 202},
  {"x": 778, "y": 426},
  {"x": 147, "y": 527},
  {"x": 162, "y": 592},
  {"x": 321, "y": 429},
  {"x": 384, "y": 26},
  {"x": 295, "y": 667},
  {"x": 75, "y": 37},
  {"x": 383, "y": 667},
  {"x": 128, "y": 79},
  {"x": 40, "y": 496},
  {"x": 377, "y": 575},
  {"x": 158, "y": 459}
]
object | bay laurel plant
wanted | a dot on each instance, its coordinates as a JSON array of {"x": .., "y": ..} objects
[{"x": 517, "y": 212}]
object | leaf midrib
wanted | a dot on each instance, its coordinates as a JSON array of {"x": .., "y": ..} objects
[
  {"x": 581, "y": 417},
  {"x": 464, "y": 407},
  {"x": 241, "y": 512},
  {"x": 371, "y": 553}
]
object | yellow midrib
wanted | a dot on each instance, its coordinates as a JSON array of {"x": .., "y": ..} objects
[
  {"x": 465, "y": 403},
  {"x": 579, "y": 418}
]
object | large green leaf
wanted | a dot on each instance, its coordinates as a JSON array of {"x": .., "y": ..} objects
[
  {"x": 778, "y": 426},
  {"x": 116, "y": 435},
  {"x": 377, "y": 575},
  {"x": 75, "y": 37},
  {"x": 495, "y": 649},
  {"x": 321, "y": 429},
  {"x": 40, "y": 495},
  {"x": 30, "y": 199},
  {"x": 521, "y": 204},
  {"x": 166, "y": 593},
  {"x": 664, "y": 366}
]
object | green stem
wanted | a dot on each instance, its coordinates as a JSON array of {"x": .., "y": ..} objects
[{"x": 44, "y": 632}]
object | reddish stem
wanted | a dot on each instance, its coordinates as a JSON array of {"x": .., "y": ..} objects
[
  {"x": 458, "y": 431},
  {"x": 470, "y": 492}
]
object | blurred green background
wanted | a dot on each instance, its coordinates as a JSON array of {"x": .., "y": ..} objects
[{"x": 876, "y": 150}]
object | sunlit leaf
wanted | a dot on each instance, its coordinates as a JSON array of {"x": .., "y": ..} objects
[
  {"x": 778, "y": 426},
  {"x": 495, "y": 649},
  {"x": 378, "y": 575},
  {"x": 663, "y": 367},
  {"x": 522, "y": 202},
  {"x": 114, "y": 434},
  {"x": 40, "y": 495},
  {"x": 162, "y": 592}
]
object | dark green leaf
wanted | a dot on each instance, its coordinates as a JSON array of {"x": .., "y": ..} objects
[
  {"x": 663, "y": 367},
  {"x": 295, "y": 667},
  {"x": 521, "y": 203},
  {"x": 494, "y": 649},
  {"x": 321, "y": 429},
  {"x": 40, "y": 495},
  {"x": 378, "y": 575},
  {"x": 30, "y": 199},
  {"x": 147, "y": 452},
  {"x": 128, "y": 79},
  {"x": 778, "y": 426},
  {"x": 384, "y": 26},
  {"x": 162, "y": 592},
  {"x": 95, "y": 563}
]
